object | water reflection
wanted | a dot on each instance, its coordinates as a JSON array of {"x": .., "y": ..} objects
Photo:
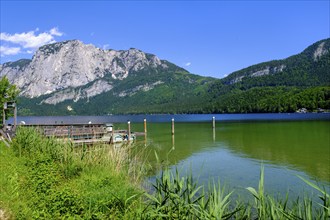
[
  {"x": 299, "y": 145},
  {"x": 302, "y": 146}
]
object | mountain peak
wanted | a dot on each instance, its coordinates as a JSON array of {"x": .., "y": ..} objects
[{"x": 70, "y": 64}]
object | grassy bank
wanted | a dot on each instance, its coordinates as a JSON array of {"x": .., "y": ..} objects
[{"x": 46, "y": 179}]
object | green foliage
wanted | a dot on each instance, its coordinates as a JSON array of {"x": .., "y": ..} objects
[
  {"x": 8, "y": 92},
  {"x": 177, "y": 197},
  {"x": 272, "y": 99},
  {"x": 45, "y": 178},
  {"x": 269, "y": 208},
  {"x": 302, "y": 82},
  {"x": 301, "y": 70}
]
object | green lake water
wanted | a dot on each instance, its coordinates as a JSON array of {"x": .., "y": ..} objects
[{"x": 233, "y": 152}]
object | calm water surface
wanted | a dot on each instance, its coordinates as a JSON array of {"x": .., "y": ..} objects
[
  {"x": 234, "y": 152},
  {"x": 286, "y": 144}
]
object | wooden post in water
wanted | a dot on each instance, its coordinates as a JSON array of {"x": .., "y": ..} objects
[
  {"x": 213, "y": 122},
  {"x": 15, "y": 116},
  {"x": 145, "y": 125},
  {"x": 128, "y": 130},
  {"x": 145, "y": 131},
  {"x": 112, "y": 135},
  {"x": 213, "y": 134},
  {"x": 173, "y": 140}
]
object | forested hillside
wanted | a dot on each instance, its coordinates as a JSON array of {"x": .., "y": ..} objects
[{"x": 300, "y": 81}]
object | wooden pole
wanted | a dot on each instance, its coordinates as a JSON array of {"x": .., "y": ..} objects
[
  {"x": 145, "y": 131},
  {"x": 213, "y": 122},
  {"x": 213, "y": 134},
  {"x": 15, "y": 116},
  {"x": 112, "y": 135},
  {"x": 145, "y": 125},
  {"x": 4, "y": 115},
  {"x": 128, "y": 130},
  {"x": 172, "y": 126}
]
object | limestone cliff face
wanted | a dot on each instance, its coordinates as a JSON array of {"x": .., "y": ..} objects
[{"x": 59, "y": 69}]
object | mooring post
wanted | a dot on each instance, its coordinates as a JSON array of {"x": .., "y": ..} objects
[
  {"x": 128, "y": 130},
  {"x": 15, "y": 116},
  {"x": 213, "y": 122},
  {"x": 145, "y": 125},
  {"x": 172, "y": 126},
  {"x": 4, "y": 115},
  {"x": 112, "y": 135},
  {"x": 213, "y": 134}
]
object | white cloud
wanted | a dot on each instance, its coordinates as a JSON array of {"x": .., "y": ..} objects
[
  {"x": 55, "y": 32},
  {"x": 9, "y": 50},
  {"x": 27, "y": 40},
  {"x": 188, "y": 64}
]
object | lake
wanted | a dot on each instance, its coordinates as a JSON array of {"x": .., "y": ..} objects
[{"x": 287, "y": 145}]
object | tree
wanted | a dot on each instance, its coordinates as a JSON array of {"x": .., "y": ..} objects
[{"x": 8, "y": 92}]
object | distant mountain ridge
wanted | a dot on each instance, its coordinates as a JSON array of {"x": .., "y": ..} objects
[
  {"x": 74, "y": 78},
  {"x": 59, "y": 67},
  {"x": 303, "y": 63},
  {"x": 299, "y": 81}
]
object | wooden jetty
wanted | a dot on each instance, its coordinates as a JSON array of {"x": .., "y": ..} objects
[
  {"x": 86, "y": 133},
  {"x": 78, "y": 134}
]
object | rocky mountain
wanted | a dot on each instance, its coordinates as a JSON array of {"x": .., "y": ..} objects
[
  {"x": 71, "y": 74},
  {"x": 74, "y": 78},
  {"x": 59, "y": 68}
]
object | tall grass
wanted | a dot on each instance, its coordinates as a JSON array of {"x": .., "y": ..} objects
[
  {"x": 48, "y": 178},
  {"x": 177, "y": 197},
  {"x": 269, "y": 208}
]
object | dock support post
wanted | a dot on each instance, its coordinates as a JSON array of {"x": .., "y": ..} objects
[
  {"x": 129, "y": 130},
  {"x": 173, "y": 138},
  {"x": 15, "y": 116},
  {"x": 213, "y": 134},
  {"x": 145, "y": 125},
  {"x": 112, "y": 135},
  {"x": 213, "y": 122}
]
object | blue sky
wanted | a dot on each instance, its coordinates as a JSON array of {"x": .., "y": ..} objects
[{"x": 209, "y": 38}]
